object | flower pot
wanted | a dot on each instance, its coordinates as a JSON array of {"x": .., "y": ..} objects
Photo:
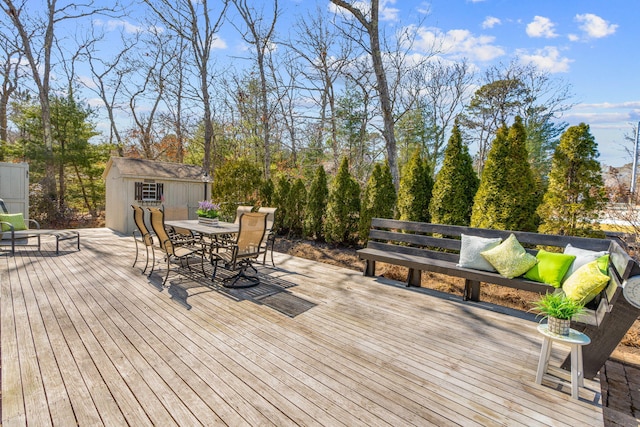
[
  {"x": 212, "y": 222},
  {"x": 559, "y": 326}
]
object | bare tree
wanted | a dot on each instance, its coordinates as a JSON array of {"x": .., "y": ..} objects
[
  {"x": 36, "y": 34},
  {"x": 369, "y": 22},
  {"x": 10, "y": 72},
  {"x": 198, "y": 24},
  {"x": 325, "y": 55},
  {"x": 260, "y": 34},
  {"x": 108, "y": 76}
]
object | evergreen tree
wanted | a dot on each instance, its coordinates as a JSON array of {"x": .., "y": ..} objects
[
  {"x": 343, "y": 207},
  {"x": 296, "y": 202},
  {"x": 576, "y": 192},
  {"x": 379, "y": 200},
  {"x": 415, "y": 189},
  {"x": 235, "y": 183},
  {"x": 316, "y": 205},
  {"x": 266, "y": 192},
  {"x": 280, "y": 199},
  {"x": 455, "y": 186},
  {"x": 507, "y": 198}
]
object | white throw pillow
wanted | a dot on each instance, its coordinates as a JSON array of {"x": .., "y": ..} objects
[
  {"x": 470, "y": 249},
  {"x": 583, "y": 256}
]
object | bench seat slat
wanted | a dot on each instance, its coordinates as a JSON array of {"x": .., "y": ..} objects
[{"x": 450, "y": 268}]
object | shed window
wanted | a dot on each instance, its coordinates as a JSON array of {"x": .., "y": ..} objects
[{"x": 148, "y": 191}]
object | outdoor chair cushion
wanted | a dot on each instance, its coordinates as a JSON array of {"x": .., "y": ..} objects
[
  {"x": 17, "y": 220},
  {"x": 509, "y": 258},
  {"x": 583, "y": 256},
  {"x": 588, "y": 281},
  {"x": 551, "y": 268},
  {"x": 470, "y": 249}
]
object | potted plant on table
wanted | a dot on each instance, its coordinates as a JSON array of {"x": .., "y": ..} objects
[
  {"x": 208, "y": 212},
  {"x": 558, "y": 310}
]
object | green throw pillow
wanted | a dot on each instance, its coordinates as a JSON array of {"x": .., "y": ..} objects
[
  {"x": 509, "y": 258},
  {"x": 551, "y": 268},
  {"x": 17, "y": 220},
  {"x": 587, "y": 282}
]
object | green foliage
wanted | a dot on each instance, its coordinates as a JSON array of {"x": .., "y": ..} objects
[
  {"x": 557, "y": 305},
  {"x": 280, "y": 201},
  {"x": 417, "y": 130},
  {"x": 415, "y": 189},
  {"x": 296, "y": 203},
  {"x": 343, "y": 207},
  {"x": 79, "y": 164},
  {"x": 508, "y": 196},
  {"x": 379, "y": 198},
  {"x": 316, "y": 205},
  {"x": 455, "y": 185},
  {"x": 236, "y": 183},
  {"x": 267, "y": 189},
  {"x": 576, "y": 192}
]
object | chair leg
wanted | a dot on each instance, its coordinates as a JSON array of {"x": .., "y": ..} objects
[
  {"x": 136, "y": 260},
  {"x": 168, "y": 267},
  {"x": 146, "y": 264},
  {"x": 273, "y": 242}
]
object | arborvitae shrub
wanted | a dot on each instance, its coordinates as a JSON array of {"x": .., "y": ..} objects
[
  {"x": 576, "y": 193},
  {"x": 343, "y": 207},
  {"x": 508, "y": 197},
  {"x": 317, "y": 205},
  {"x": 379, "y": 198},
  {"x": 415, "y": 189},
  {"x": 280, "y": 199},
  {"x": 296, "y": 202},
  {"x": 236, "y": 183},
  {"x": 455, "y": 186}
]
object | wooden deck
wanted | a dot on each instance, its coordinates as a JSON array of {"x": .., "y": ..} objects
[{"x": 88, "y": 340}]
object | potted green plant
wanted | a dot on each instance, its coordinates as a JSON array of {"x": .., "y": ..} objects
[{"x": 558, "y": 310}]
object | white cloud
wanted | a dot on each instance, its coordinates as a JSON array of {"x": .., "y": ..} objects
[
  {"x": 128, "y": 27},
  {"x": 491, "y": 21},
  {"x": 573, "y": 37},
  {"x": 541, "y": 27},
  {"x": 218, "y": 43},
  {"x": 609, "y": 105},
  {"x": 547, "y": 59},
  {"x": 385, "y": 12},
  {"x": 460, "y": 43},
  {"x": 424, "y": 8},
  {"x": 594, "y": 26},
  {"x": 87, "y": 81}
]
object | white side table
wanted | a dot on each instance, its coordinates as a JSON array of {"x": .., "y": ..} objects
[{"x": 575, "y": 340}]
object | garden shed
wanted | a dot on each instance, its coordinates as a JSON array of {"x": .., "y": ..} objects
[{"x": 176, "y": 186}]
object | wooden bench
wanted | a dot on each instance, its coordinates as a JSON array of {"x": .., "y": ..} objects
[{"x": 436, "y": 247}]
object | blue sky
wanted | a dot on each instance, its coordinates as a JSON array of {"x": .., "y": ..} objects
[{"x": 590, "y": 44}]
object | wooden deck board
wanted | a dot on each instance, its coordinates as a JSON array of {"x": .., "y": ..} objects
[{"x": 88, "y": 339}]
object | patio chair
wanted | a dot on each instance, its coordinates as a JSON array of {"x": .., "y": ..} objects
[
  {"x": 270, "y": 236},
  {"x": 240, "y": 254},
  {"x": 15, "y": 229},
  {"x": 172, "y": 248},
  {"x": 228, "y": 239},
  {"x": 146, "y": 237}
]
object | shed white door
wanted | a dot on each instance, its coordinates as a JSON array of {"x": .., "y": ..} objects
[{"x": 14, "y": 187}]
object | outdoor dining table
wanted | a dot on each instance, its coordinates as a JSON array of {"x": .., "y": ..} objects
[{"x": 205, "y": 229}]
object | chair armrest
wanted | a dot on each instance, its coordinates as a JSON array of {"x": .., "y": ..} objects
[
  {"x": 9, "y": 230},
  {"x": 37, "y": 224}
]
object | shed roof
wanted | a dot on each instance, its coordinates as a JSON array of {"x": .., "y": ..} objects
[{"x": 143, "y": 168}]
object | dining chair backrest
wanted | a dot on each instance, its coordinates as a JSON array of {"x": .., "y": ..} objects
[
  {"x": 157, "y": 223},
  {"x": 239, "y": 211},
  {"x": 251, "y": 233},
  {"x": 138, "y": 218},
  {"x": 271, "y": 216}
]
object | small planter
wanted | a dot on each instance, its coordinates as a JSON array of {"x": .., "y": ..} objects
[
  {"x": 212, "y": 222},
  {"x": 559, "y": 326}
]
